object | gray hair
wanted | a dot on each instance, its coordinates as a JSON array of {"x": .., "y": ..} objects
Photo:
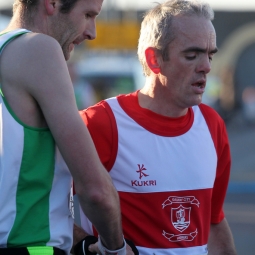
[{"x": 156, "y": 29}]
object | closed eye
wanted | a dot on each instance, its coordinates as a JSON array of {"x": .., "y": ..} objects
[
  {"x": 211, "y": 56},
  {"x": 190, "y": 57},
  {"x": 90, "y": 14},
  {"x": 192, "y": 52}
]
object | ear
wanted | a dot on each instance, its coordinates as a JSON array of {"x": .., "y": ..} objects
[
  {"x": 50, "y": 6},
  {"x": 152, "y": 60}
]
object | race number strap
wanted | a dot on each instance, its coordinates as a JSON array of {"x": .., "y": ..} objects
[{"x": 105, "y": 251}]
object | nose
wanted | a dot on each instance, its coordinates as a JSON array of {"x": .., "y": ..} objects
[
  {"x": 204, "y": 65},
  {"x": 90, "y": 30}
]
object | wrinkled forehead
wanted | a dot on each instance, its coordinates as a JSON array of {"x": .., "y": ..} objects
[{"x": 194, "y": 29}]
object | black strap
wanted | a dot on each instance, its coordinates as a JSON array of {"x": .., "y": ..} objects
[
  {"x": 58, "y": 251},
  {"x": 14, "y": 251},
  {"x": 24, "y": 251}
]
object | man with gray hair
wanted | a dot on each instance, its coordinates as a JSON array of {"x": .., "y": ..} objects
[{"x": 167, "y": 153}]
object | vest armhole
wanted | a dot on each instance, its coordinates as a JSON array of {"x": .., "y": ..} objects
[{"x": 114, "y": 135}]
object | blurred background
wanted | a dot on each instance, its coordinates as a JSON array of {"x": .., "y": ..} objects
[{"x": 108, "y": 66}]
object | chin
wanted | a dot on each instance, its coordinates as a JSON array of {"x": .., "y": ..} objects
[
  {"x": 199, "y": 99},
  {"x": 196, "y": 102},
  {"x": 66, "y": 55}
]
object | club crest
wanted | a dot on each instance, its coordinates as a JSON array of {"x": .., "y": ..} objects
[{"x": 180, "y": 217}]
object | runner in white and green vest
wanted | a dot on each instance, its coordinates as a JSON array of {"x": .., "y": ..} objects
[
  {"x": 38, "y": 114},
  {"x": 35, "y": 182}
]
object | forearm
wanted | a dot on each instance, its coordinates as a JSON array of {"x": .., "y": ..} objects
[
  {"x": 97, "y": 196},
  {"x": 221, "y": 241},
  {"x": 101, "y": 206}
]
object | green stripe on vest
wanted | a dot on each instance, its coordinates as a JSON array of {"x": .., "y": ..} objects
[{"x": 31, "y": 226}]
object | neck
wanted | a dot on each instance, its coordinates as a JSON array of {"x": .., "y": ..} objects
[
  {"x": 155, "y": 97},
  {"x": 21, "y": 20}
]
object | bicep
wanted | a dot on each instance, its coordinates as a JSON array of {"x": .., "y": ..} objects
[
  {"x": 48, "y": 81},
  {"x": 220, "y": 239}
]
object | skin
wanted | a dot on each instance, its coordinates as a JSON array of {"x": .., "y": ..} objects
[
  {"x": 36, "y": 84},
  {"x": 173, "y": 86},
  {"x": 221, "y": 240},
  {"x": 68, "y": 33}
]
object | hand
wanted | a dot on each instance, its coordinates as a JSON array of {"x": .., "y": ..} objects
[
  {"x": 93, "y": 248},
  {"x": 81, "y": 248},
  {"x": 89, "y": 246},
  {"x": 132, "y": 246},
  {"x": 129, "y": 250}
]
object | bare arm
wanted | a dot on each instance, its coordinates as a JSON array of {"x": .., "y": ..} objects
[
  {"x": 41, "y": 75},
  {"x": 221, "y": 241}
]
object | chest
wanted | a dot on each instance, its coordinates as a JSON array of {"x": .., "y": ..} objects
[{"x": 147, "y": 162}]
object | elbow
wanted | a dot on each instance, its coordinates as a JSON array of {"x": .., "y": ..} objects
[{"x": 103, "y": 196}]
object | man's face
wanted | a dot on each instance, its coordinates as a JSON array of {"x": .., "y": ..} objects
[
  {"x": 80, "y": 24},
  {"x": 190, "y": 55}
]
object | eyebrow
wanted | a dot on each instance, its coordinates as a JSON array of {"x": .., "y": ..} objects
[{"x": 197, "y": 49}]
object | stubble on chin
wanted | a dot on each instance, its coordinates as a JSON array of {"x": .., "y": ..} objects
[{"x": 66, "y": 53}]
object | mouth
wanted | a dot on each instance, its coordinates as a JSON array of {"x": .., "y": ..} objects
[
  {"x": 73, "y": 44},
  {"x": 76, "y": 42},
  {"x": 199, "y": 86}
]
